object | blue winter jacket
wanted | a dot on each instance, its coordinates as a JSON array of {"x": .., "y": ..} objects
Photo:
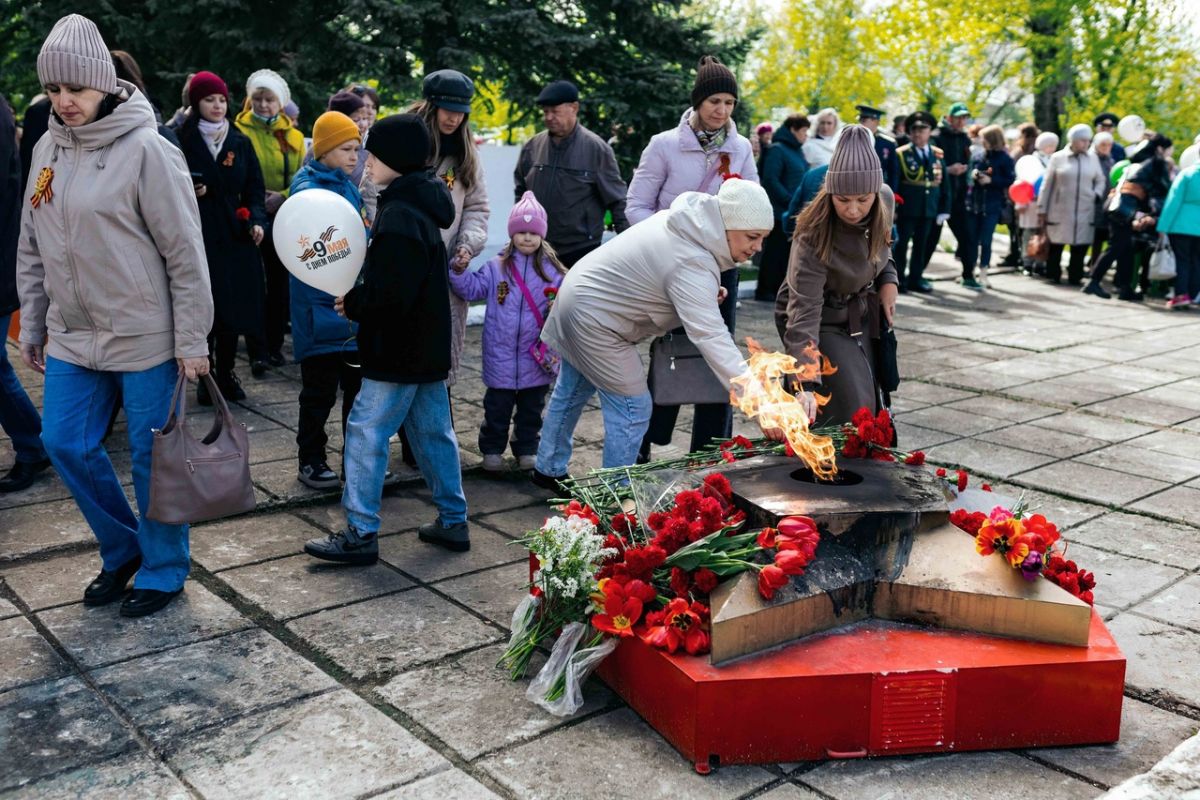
[
  {"x": 989, "y": 200},
  {"x": 783, "y": 168},
  {"x": 811, "y": 184},
  {"x": 1181, "y": 212},
  {"x": 316, "y": 327}
]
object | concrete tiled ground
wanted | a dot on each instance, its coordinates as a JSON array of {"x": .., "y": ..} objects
[{"x": 275, "y": 676}]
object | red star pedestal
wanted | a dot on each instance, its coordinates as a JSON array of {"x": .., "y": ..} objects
[{"x": 834, "y": 666}]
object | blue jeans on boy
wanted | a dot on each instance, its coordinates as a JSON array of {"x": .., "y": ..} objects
[
  {"x": 79, "y": 402},
  {"x": 626, "y": 420},
  {"x": 378, "y": 412},
  {"x": 981, "y": 228},
  {"x": 18, "y": 416}
]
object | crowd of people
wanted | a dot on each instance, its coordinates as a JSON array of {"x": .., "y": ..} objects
[{"x": 138, "y": 251}]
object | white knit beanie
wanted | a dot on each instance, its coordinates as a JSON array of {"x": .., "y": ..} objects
[
  {"x": 272, "y": 81},
  {"x": 74, "y": 54},
  {"x": 745, "y": 206},
  {"x": 1046, "y": 138}
]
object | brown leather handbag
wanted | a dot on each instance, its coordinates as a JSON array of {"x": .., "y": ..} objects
[{"x": 194, "y": 480}]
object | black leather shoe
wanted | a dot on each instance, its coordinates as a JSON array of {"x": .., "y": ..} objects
[
  {"x": 550, "y": 483},
  {"x": 142, "y": 602},
  {"x": 258, "y": 368},
  {"x": 920, "y": 286},
  {"x": 275, "y": 359},
  {"x": 22, "y": 474},
  {"x": 109, "y": 586}
]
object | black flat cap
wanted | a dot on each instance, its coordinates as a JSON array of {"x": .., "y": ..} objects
[
  {"x": 558, "y": 93},
  {"x": 870, "y": 112},
  {"x": 449, "y": 89}
]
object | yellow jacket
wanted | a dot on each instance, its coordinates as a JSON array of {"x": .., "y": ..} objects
[{"x": 279, "y": 147}]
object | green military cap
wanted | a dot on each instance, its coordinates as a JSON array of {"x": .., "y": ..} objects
[{"x": 959, "y": 110}]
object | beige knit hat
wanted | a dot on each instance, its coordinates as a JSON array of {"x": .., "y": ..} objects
[
  {"x": 854, "y": 168},
  {"x": 745, "y": 206},
  {"x": 75, "y": 54}
]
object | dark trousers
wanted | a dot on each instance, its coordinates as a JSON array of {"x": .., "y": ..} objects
[
  {"x": 710, "y": 420},
  {"x": 1098, "y": 243},
  {"x": 1187, "y": 265},
  {"x": 1013, "y": 259},
  {"x": 1120, "y": 250},
  {"x": 222, "y": 348},
  {"x": 980, "y": 230},
  {"x": 958, "y": 226},
  {"x": 773, "y": 266},
  {"x": 915, "y": 230},
  {"x": 276, "y": 313},
  {"x": 321, "y": 376},
  {"x": 1074, "y": 266},
  {"x": 498, "y": 408},
  {"x": 569, "y": 257}
]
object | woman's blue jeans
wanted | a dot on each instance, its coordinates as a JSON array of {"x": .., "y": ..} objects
[
  {"x": 626, "y": 419},
  {"x": 18, "y": 416},
  {"x": 75, "y": 414}
]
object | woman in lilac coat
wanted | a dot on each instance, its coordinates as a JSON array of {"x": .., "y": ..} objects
[
  {"x": 514, "y": 378},
  {"x": 697, "y": 156}
]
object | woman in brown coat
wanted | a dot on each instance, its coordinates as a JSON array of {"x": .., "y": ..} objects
[{"x": 840, "y": 278}]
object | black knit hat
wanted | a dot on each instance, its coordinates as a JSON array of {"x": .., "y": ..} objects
[
  {"x": 712, "y": 77},
  {"x": 401, "y": 141}
]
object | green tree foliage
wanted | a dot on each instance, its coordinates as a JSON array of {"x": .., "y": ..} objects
[{"x": 633, "y": 60}]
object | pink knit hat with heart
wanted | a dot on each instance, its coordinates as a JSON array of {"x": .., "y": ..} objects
[{"x": 527, "y": 216}]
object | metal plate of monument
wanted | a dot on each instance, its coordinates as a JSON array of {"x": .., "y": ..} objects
[{"x": 899, "y": 638}]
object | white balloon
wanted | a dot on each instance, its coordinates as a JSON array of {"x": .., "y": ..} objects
[
  {"x": 321, "y": 240},
  {"x": 1029, "y": 168},
  {"x": 1189, "y": 156},
  {"x": 1131, "y": 128}
]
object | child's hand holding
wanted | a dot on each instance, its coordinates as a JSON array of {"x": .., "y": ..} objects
[{"x": 339, "y": 305}]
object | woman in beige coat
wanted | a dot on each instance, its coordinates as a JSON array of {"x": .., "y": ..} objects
[
  {"x": 115, "y": 302},
  {"x": 1074, "y": 180},
  {"x": 840, "y": 278}
]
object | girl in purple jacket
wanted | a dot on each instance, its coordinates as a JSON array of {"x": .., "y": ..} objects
[{"x": 519, "y": 285}]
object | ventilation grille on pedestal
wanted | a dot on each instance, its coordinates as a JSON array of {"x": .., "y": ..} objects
[{"x": 913, "y": 711}]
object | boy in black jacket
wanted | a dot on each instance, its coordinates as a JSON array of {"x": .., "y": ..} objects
[{"x": 403, "y": 310}]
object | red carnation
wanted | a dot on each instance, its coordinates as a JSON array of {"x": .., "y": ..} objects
[
  {"x": 550, "y": 292},
  {"x": 915, "y": 459},
  {"x": 719, "y": 484},
  {"x": 704, "y": 580},
  {"x": 962, "y": 480},
  {"x": 680, "y": 583},
  {"x": 243, "y": 213},
  {"x": 940, "y": 472}
]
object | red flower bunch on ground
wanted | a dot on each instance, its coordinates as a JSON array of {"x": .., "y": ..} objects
[
  {"x": 577, "y": 509},
  {"x": 870, "y": 435},
  {"x": 693, "y": 517},
  {"x": 1069, "y": 576},
  {"x": 243, "y": 213},
  {"x": 970, "y": 522},
  {"x": 1004, "y": 536},
  {"x": 731, "y": 449},
  {"x": 680, "y": 624},
  {"x": 795, "y": 544},
  {"x": 622, "y": 609}
]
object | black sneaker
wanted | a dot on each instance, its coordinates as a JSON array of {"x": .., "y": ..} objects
[
  {"x": 455, "y": 537},
  {"x": 231, "y": 387},
  {"x": 258, "y": 368},
  {"x": 345, "y": 547},
  {"x": 318, "y": 476},
  {"x": 1130, "y": 296},
  {"x": 549, "y": 482}
]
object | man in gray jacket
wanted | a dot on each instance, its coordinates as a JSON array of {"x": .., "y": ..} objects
[{"x": 573, "y": 174}]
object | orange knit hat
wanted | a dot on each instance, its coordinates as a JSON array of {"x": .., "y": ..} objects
[{"x": 331, "y": 129}]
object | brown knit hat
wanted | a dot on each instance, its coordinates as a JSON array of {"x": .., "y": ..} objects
[
  {"x": 712, "y": 77},
  {"x": 854, "y": 168},
  {"x": 74, "y": 54}
]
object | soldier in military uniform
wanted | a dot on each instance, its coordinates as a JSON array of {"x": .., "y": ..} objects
[
  {"x": 885, "y": 146},
  {"x": 923, "y": 203},
  {"x": 955, "y": 144}
]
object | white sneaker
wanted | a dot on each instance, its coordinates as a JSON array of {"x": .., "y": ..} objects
[
  {"x": 983, "y": 278},
  {"x": 527, "y": 463},
  {"x": 493, "y": 462}
]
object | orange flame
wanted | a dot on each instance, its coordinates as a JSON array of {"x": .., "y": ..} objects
[{"x": 760, "y": 393}]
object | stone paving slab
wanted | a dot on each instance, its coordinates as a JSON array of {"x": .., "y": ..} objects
[
  {"x": 494, "y": 593},
  {"x": 288, "y": 587},
  {"x": 54, "y": 581},
  {"x": 1147, "y": 734},
  {"x": 55, "y": 727},
  {"x": 231, "y": 543},
  {"x": 614, "y": 755},
  {"x": 99, "y": 636},
  {"x": 1122, "y": 581},
  {"x": 7, "y": 609},
  {"x": 449, "y": 785},
  {"x": 473, "y": 706},
  {"x": 790, "y": 791},
  {"x": 1160, "y": 658},
  {"x": 975, "y": 455},
  {"x": 945, "y": 777},
  {"x": 378, "y": 637},
  {"x": 1076, "y": 479},
  {"x": 211, "y": 683},
  {"x": 333, "y": 746},
  {"x": 401, "y": 510},
  {"x": 41, "y": 527},
  {"x": 1045, "y": 441},
  {"x": 28, "y": 658},
  {"x": 1142, "y": 537},
  {"x": 1178, "y": 604},
  {"x": 131, "y": 777},
  {"x": 428, "y": 562},
  {"x": 1179, "y": 503}
]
